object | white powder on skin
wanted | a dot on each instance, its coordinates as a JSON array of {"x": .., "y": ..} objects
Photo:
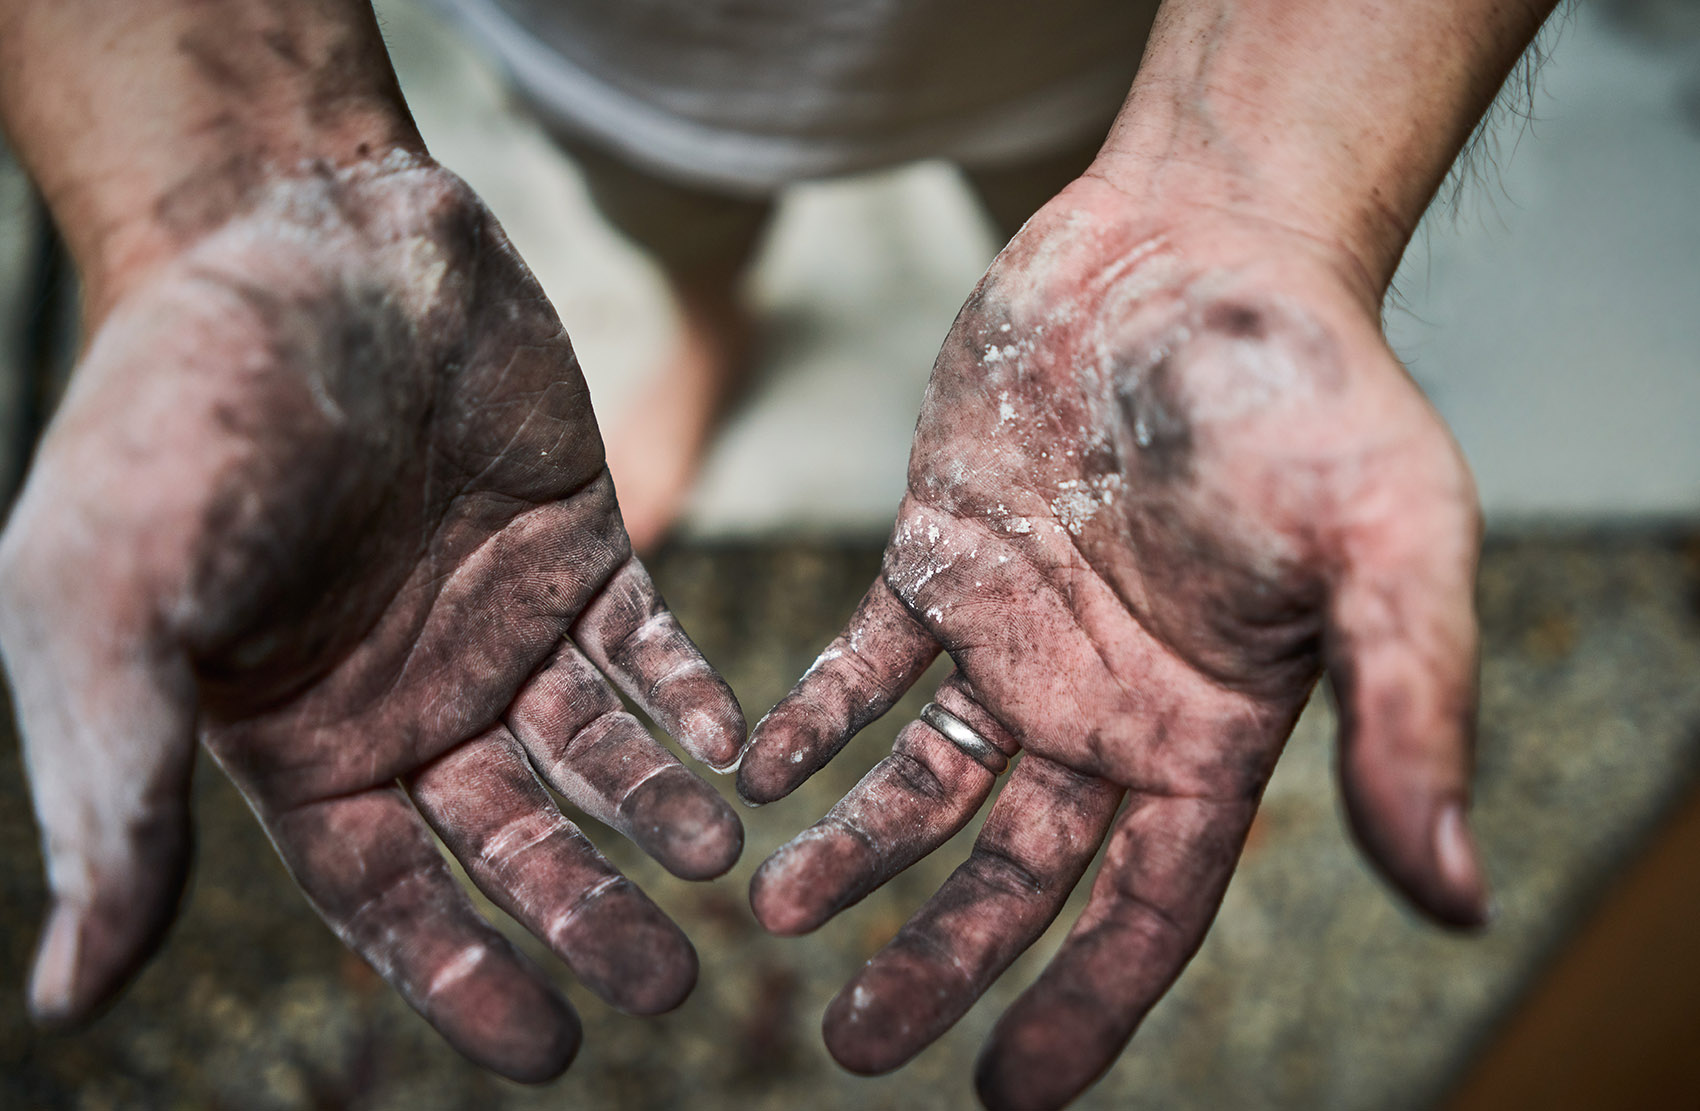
[
  {"x": 1078, "y": 501},
  {"x": 825, "y": 658}
]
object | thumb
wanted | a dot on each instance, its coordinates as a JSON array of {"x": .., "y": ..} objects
[
  {"x": 1401, "y": 649},
  {"x": 107, "y": 725}
]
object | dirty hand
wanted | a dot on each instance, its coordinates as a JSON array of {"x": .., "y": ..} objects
[
  {"x": 327, "y": 494},
  {"x": 1165, "y": 474}
]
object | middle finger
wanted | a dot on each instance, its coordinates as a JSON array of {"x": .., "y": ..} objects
[
  {"x": 603, "y": 761},
  {"x": 1036, "y": 844},
  {"x": 486, "y": 804},
  {"x": 909, "y": 804}
]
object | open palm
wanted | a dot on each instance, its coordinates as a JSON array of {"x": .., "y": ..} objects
[
  {"x": 327, "y": 493},
  {"x": 1164, "y": 474}
]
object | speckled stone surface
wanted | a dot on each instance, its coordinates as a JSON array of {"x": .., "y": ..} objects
[{"x": 1314, "y": 989}]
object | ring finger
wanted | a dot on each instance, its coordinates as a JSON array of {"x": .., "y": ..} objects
[{"x": 907, "y": 805}]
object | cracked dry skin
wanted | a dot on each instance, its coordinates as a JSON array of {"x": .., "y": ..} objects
[
  {"x": 1165, "y": 473},
  {"x": 327, "y": 493}
]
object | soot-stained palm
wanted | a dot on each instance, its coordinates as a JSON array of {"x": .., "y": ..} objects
[
  {"x": 328, "y": 493},
  {"x": 1164, "y": 474}
]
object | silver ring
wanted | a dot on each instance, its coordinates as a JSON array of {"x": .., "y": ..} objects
[{"x": 962, "y": 735}]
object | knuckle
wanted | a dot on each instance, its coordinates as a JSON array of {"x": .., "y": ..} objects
[
  {"x": 998, "y": 870},
  {"x": 917, "y": 777}
]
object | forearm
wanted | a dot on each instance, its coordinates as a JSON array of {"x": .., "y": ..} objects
[
  {"x": 146, "y": 122},
  {"x": 1336, "y": 119}
]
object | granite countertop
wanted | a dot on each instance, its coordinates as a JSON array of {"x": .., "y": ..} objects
[{"x": 1314, "y": 989}]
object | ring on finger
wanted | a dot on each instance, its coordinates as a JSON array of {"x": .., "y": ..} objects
[{"x": 964, "y": 737}]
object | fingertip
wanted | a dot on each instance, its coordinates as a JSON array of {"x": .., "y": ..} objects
[
  {"x": 774, "y": 905},
  {"x": 87, "y": 954},
  {"x": 53, "y": 995},
  {"x": 554, "y": 1055},
  {"x": 667, "y": 988},
  {"x": 809, "y": 879},
  {"x": 1001, "y": 1084},
  {"x": 707, "y": 856},
  {"x": 1033, "y": 1065},
  {"x": 1464, "y": 900},
  {"x": 991, "y": 1080},
  {"x": 622, "y": 947},
  {"x": 858, "y": 1032},
  {"x": 879, "y": 1020},
  {"x": 715, "y": 856},
  {"x": 776, "y": 761},
  {"x": 758, "y": 789},
  {"x": 716, "y": 736},
  {"x": 1424, "y": 850},
  {"x": 760, "y": 782},
  {"x": 685, "y": 825},
  {"x": 504, "y": 1017},
  {"x": 543, "y": 1051}
]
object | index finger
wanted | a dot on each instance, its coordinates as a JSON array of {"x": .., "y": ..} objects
[
  {"x": 1036, "y": 843},
  {"x": 858, "y": 677},
  {"x": 631, "y": 635}
]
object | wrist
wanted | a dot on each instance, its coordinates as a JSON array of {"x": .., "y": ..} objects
[
  {"x": 147, "y": 123},
  {"x": 117, "y": 237},
  {"x": 1220, "y": 218},
  {"x": 1295, "y": 192},
  {"x": 1336, "y": 120}
]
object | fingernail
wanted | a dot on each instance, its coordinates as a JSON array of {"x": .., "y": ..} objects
[
  {"x": 1455, "y": 856},
  {"x": 54, "y": 978}
]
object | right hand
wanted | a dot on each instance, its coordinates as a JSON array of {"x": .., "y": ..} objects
[{"x": 327, "y": 494}]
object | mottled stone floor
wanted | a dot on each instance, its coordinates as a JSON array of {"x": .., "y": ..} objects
[{"x": 1314, "y": 989}]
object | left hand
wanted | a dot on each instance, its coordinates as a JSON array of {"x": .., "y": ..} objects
[{"x": 1165, "y": 471}]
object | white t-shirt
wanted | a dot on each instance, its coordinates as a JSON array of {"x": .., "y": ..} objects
[{"x": 748, "y": 95}]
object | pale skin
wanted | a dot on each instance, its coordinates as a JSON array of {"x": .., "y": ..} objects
[{"x": 328, "y": 496}]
